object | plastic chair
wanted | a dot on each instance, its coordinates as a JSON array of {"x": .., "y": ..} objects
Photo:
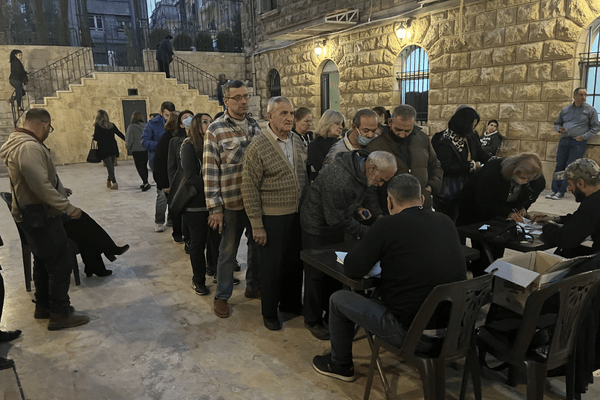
[
  {"x": 572, "y": 296},
  {"x": 466, "y": 298},
  {"x": 26, "y": 249}
]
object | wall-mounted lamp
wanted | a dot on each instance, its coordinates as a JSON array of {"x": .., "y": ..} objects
[
  {"x": 402, "y": 29},
  {"x": 320, "y": 48}
]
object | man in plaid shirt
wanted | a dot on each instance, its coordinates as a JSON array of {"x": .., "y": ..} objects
[{"x": 224, "y": 145}]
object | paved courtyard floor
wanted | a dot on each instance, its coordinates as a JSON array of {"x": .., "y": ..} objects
[{"x": 151, "y": 337}]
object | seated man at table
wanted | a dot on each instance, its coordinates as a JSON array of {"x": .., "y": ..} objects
[
  {"x": 423, "y": 254},
  {"x": 340, "y": 195},
  {"x": 569, "y": 231}
]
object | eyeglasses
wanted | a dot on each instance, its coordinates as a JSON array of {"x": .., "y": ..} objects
[{"x": 239, "y": 97}]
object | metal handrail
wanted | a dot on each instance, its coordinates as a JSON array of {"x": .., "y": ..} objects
[{"x": 54, "y": 77}]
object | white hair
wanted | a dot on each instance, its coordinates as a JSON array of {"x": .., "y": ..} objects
[
  {"x": 274, "y": 102},
  {"x": 382, "y": 160}
]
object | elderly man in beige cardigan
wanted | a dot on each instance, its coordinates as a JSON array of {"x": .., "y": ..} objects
[{"x": 273, "y": 179}]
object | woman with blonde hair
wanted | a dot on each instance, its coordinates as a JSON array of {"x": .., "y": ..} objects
[
  {"x": 104, "y": 135},
  {"x": 328, "y": 131}
]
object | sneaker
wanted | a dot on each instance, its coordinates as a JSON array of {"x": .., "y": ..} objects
[
  {"x": 178, "y": 238},
  {"x": 236, "y": 281},
  {"x": 558, "y": 196},
  {"x": 222, "y": 308},
  {"x": 62, "y": 321},
  {"x": 145, "y": 187},
  {"x": 252, "y": 294},
  {"x": 159, "y": 227},
  {"x": 108, "y": 183},
  {"x": 7, "y": 336},
  {"x": 324, "y": 366},
  {"x": 114, "y": 186},
  {"x": 318, "y": 330},
  {"x": 200, "y": 289}
]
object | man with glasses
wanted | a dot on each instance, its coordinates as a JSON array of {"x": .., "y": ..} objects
[
  {"x": 38, "y": 201},
  {"x": 224, "y": 145}
]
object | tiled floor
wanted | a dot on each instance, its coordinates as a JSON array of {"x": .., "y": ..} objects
[{"x": 151, "y": 337}]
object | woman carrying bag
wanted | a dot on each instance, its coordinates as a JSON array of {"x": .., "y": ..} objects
[{"x": 104, "y": 135}]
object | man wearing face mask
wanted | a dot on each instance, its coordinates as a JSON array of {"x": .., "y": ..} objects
[
  {"x": 413, "y": 151},
  {"x": 364, "y": 130},
  {"x": 569, "y": 231}
]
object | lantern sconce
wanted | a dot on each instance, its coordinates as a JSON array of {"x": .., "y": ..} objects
[
  {"x": 320, "y": 47},
  {"x": 402, "y": 29}
]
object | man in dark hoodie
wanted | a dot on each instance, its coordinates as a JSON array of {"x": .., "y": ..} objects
[{"x": 341, "y": 192}]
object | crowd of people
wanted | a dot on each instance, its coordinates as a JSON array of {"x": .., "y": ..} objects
[{"x": 381, "y": 181}]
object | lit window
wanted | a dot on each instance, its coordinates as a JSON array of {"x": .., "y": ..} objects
[
  {"x": 591, "y": 67},
  {"x": 413, "y": 80}
]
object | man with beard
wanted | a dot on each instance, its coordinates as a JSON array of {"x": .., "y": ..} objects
[{"x": 567, "y": 232}]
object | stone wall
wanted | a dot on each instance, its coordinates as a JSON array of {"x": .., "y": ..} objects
[
  {"x": 73, "y": 111},
  {"x": 515, "y": 61},
  {"x": 34, "y": 58}
]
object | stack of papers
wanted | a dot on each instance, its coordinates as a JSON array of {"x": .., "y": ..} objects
[{"x": 374, "y": 272}]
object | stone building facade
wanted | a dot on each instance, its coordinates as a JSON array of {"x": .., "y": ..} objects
[{"x": 512, "y": 60}]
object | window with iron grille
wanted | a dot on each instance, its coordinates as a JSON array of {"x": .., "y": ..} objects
[
  {"x": 413, "y": 80},
  {"x": 274, "y": 83},
  {"x": 590, "y": 63},
  {"x": 267, "y": 5}
]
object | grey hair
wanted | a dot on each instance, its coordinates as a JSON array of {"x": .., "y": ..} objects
[
  {"x": 328, "y": 118},
  {"x": 274, "y": 102},
  {"x": 382, "y": 160},
  {"x": 405, "y": 111},
  {"x": 365, "y": 112},
  {"x": 404, "y": 188}
]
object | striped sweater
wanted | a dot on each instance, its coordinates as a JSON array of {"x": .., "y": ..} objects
[
  {"x": 224, "y": 147},
  {"x": 270, "y": 184}
]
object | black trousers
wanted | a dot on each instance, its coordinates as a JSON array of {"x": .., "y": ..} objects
[
  {"x": 141, "y": 164},
  {"x": 281, "y": 269},
  {"x": 163, "y": 66},
  {"x": 318, "y": 286},
  {"x": 198, "y": 225}
]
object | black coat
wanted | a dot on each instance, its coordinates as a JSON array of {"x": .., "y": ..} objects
[
  {"x": 17, "y": 71},
  {"x": 107, "y": 145},
  {"x": 484, "y": 196},
  {"x": 317, "y": 152}
]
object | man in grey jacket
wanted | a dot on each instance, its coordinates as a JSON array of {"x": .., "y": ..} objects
[
  {"x": 341, "y": 195},
  {"x": 39, "y": 200}
]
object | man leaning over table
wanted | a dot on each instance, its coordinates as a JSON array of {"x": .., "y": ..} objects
[
  {"x": 569, "y": 231},
  {"x": 341, "y": 194},
  {"x": 425, "y": 253},
  {"x": 576, "y": 123}
]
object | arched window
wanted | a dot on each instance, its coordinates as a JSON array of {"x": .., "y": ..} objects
[
  {"x": 590, "y": 61},
  {"x": 413, "y": 80},
  {"x": 274, "y": 84},
  {"x": 330, "y": 87}
]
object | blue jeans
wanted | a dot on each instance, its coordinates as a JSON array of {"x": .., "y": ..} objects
[
  {"x": 568, "y": 151},
  {"x": 53, "y": 261},
  {"x": 235, "y": 223},
  {"x": 348, "y": 309},
  {"x": 161, "y": 207}
]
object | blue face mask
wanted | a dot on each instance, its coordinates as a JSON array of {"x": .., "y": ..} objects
[
  {"x": 363, "y": 140},
  {"x": 187, "y": 122}
]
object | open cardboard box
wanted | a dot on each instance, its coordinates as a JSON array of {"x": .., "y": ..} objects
[{"x": 520, "y": 275}]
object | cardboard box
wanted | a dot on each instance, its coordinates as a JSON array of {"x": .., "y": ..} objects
[{"x": 520, "y": 275}]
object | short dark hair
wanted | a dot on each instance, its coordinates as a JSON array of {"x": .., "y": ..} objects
[
  {"x": 578, "y": 89},
  {"x": 231, "y": 85},
  {"x": 167, "y": 105},
  {"x": 404, "y": 188},
  {"x": 365, "y": 112},
  {"x": 405, "y": 111},
  {"x": 461, "y": 122},
  {"x": 38, "y": 114},
  {"x": 494, "y": 121}
]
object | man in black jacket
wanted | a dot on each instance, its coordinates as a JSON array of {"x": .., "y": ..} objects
[
  {"x": 569, "y": 231},
  {"x": 164, "y": 55},
  {"x": 340, "y": 196},
  {"x": 423, "y": 254}
]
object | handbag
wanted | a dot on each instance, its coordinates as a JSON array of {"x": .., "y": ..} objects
[
  {"x": 501, "y": 230},
  {"x": 452, "y": 185},
  {"x": 94, "y": 154}
]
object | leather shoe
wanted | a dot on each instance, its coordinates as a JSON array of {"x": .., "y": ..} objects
[
  {"x": 5, "y": 363},
  {"x": 62, "y": 321},
  {"x": 319, "y": 331},
  {"x": 272, "y": 324},
  {"x": 117, "y": 251},
  {"x": 7, "y": 336},
  {"x": 200, "y": 289},
  {"x": 105, "y": 272},
  {"x": 222, "y": 308},
  {"x": 252, "y": 294}
]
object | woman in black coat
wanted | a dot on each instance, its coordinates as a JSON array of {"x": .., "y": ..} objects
[
  {"x": 459, "y": 150},
  {"x": 17, "y": 78},
  {"x": 104, "y": 135},
  {"x": 505, "y": 187}
]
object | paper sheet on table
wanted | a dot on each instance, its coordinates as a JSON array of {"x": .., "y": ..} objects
[
  {"x": 375, "y": 271},
  {"x": 510, "y": 272}
]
